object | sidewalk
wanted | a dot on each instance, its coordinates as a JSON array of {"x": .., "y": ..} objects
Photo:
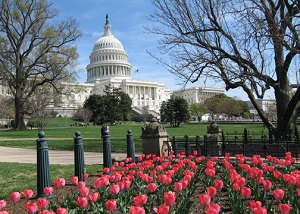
[{"x": 22, "y": 155}]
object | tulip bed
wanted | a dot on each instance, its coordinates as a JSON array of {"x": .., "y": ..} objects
[{"x": 175, "y": 184}]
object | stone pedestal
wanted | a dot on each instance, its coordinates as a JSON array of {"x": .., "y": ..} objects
[
  {"x": 153, "y": 137},
  {"x": 214, "y": 139}
]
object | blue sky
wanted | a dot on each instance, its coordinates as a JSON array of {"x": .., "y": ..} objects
[{"x": 128, "y": 18}]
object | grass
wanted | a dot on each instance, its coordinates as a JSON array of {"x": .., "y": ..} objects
[
  {"x": 18, "y": 176},
  {"x": 62, "y": 138}
]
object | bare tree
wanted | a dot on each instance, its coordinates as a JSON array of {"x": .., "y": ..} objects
[
  {"x": 84, "y": 114},
  {"x": 35, "y": 49},
  {"x": 38, "y": 106},
  {"x": 7, "y": 108},
  {"x": 247, "y": 44}
]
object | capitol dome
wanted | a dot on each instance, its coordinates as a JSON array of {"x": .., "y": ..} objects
[{"x": 108, "y": 59}]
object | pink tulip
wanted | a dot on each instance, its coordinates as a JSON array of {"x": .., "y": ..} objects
[
  {"x": 211, "y": 191},
  {"x": 169, "y": 198},
  {"x": 285, "y": 208},
  {"x": 15, "y": 197},
  {"x": 28, "y": 193},
  {"x": 218, "y": 184},
  {"x": 111, "y": 205},
  {"x": 60, "y": 182},
  {"x": 151, "y": 187},
  {"x": 48, "y": 191},
  {"x": 204, "y": 199},
  {"x": 74, "y": 180},
  {"x": 162, "y": 209},
  {"x": 94, "y": 197},
  {"x": 61, "y": 210},
  {"x": 80, "y": 184},
  {"x": 114, "y": 189},
  {"x": 31, "y": 208},
  {"x": 47, "y": 212},
  {"x": 137, "y": 210},
  {"x": 2, "y": 204},
  {"x": 278, "y": 194},
  {"x": 246, "y": 192},
  {"x": 42, "y": 203},
  {"x": 84, "y": 191},
  {"x": 82, "y": 202},
  {"x": 140, "y": 200}
]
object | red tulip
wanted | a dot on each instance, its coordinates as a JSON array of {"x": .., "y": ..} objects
[
  {"x": 278, "y": 194},
  {"x": 169, "y": 198},
  {"x": 140, "y": 200},
  {"x": 285, "y": 208},
  {"x": 114, "y": 189},
  {"x": 31, "y": 208},
  {"x": 48, "y": 191},
  {"x": 236, "y": 187},
  {"x": 42, "y": 203},
  {"x": 218, "y": 184},
  {"x": 84, "y": 191},
  {"x": 80, "y": 184},
  {"x": 211, "y": 191},
  {"x": 106, "y": 170},
  {"x": 74, "y": 180},
  {"x": 255, "y": 204},
  {"x": 260, "y": 210},
  {"x": 204, "y": 199},
  {"x": 82, "y": 202},
  {"x": 246, "y": 192},
  {"x": 94, "y": 197},
  {"x": 61, "y": 210},
  {"x": 111, "y": 205},
  {"x": 60, "y": 182},
  {"x": 102, "y": 181},
  {"x": 213, "y": 208},
  {"x": 137, "y": 210},
  {"x": 2, "y": 204},
  {"x": 162, "y": 209},
  {"x": 151, "y": 187},
  {"x": 267, "y": 184},
  {"x": 47, "y": 212},
  {"x": 210, "y": 172},
  {"x": 277, "y": 174},
  {"x": 15, "y": 197},
  {"x": 28, "y": 193},
  {"x": 178, "y": 186}
]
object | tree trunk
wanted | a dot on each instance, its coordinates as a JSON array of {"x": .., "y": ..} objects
[{"x": 19, "y": 114}]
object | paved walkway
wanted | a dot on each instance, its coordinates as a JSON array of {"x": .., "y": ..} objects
[{"x": 22, "y": 155}]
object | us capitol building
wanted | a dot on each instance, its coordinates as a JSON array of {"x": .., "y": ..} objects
[{"x": 109, "y": 66}]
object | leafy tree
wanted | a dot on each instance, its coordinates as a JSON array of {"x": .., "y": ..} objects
[
  {"x": 114, "y": 105},
  {"x": 213, "y": 104},
  {"x": 246, "y": 44},
  {"x": 175, "y": 110},
  {"x": 198, "y": 109},
  {"x": 35, "y": 49},
  {"x": 230, "y": 107}
]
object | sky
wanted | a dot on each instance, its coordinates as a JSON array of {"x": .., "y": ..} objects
[{"x": 128, "y": 19}]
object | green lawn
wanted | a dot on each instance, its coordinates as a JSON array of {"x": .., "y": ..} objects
[
  {"x": 17, "y": 177},
  {"x": 62, "y": 138}
]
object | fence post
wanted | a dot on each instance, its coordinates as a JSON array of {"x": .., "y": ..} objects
[
  {"x": 187, "y": 145},
  {"x": 198, "y": 146},
  {"x": 270, "y": 135},
  {"x": 130, "y": 146},
  {"x": 245, "y": 139},
  {"x": 205, "y": 144},
  {"x": 107, "y": 161},
  {"x": 79, "y": 157},
  {"x": 43, "y": 170},
  {"x": 174, "y": 145}
]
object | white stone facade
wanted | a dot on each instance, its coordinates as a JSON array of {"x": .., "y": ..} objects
[{"x": 198, "y": 94}]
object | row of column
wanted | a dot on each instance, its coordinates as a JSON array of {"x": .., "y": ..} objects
[
  {"x": 108, "y": 70},
  {"x": 142, "y": 91}
]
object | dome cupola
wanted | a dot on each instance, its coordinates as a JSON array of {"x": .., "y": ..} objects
[{"x": 108, "y": 59}]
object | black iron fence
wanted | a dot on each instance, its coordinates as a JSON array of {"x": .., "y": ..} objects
[{"x": 245, "y": 143}]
